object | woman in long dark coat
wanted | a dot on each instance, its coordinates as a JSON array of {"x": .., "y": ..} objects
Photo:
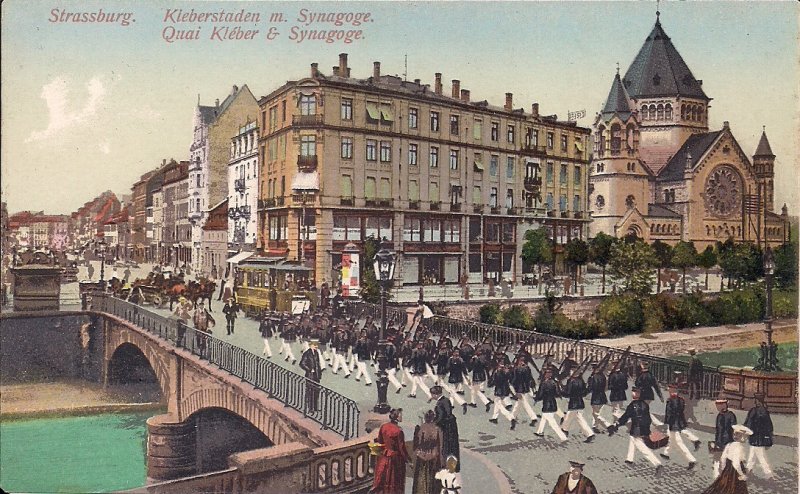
[
  {"x": 428, "y": 456},
  {"x": 390, "y": 468},
  {"x": 447, "y": 423}
]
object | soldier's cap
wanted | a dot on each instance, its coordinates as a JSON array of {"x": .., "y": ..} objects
[
  {"x": 436, "y": 390},
  {"x": 737, "y": 428},
  {"x": 692, "y": 351},
  {"x": 721, "y": 400},
  {"x": 576, "y": 464}
]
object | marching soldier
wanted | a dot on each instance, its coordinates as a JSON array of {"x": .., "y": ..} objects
[
  {"x": 522, "y": 383},
  {"x": 547, "y": 393},
  {"x": 759, "y": 421},
  {"x": 647, "y": 385},
  {"x": 266, "y": 330},
  {"x": 695, "y": 377},
  {"x": 361, "y": 352},
  {"x": 419, "y": 368},
  {"x": 340, "y": 343},
  {"x": 617, "y": 384},
  {"x": 638, "y": 412},
  {"x": 723, "y": 432},
  {"x": 502, "y": 389},
  {"x": 675, "y": 418},
  {"x": 568, "y": 365},
  {"x": 480, "y": 367},
  {"x": 393, "y": 362},
  {"x": 457, "y": 372},
  {"x": 597, "y": 387},
  {"x": 575, "y": 390}
]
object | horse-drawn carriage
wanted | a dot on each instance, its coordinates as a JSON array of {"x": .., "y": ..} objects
[{"x": 158, "y": 289}]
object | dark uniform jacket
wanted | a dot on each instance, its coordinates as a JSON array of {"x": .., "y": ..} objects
[
  {"x": 759, "y": 421},
  {"x": 638, "y": 412},
  {"x": 575, "y": 390},
  {"x": 502, "y": 380},
  {"x": 230, "y": 311},
  {"x": 547, "y": 393},
  {"x": 522, "y": 379},
  {"x": 647, "y": 384},
  {"x": 674, "y": 415},
  {"x": 597, "y": 386},
  {"x": 617, "y": 384},
  {"x": 724, "y": 428},
  {"x": 265, "y": 328},
  {"x": 457, "y": 369},
  {"x": 584, "y": 486},
  {"x": 309, "y": 362},
  {"x": 392, "y": 357},
  {"x": 419, "y": 360},
  {"x": 695, "y": 370},
  {"x": 479, "y": 366},
  {"x": 361, "y": 349},
  {"x": 442, "y": 360}
]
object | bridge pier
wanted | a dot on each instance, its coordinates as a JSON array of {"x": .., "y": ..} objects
[{"x": 171, "y": 448}]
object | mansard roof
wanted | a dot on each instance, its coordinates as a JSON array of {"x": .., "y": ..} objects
[
  {"x": 617, "y": 101},
  {"x": 693, "y": 149},
  {"x": 659, "y": 70},
  {"x": 764, "y": 149}
]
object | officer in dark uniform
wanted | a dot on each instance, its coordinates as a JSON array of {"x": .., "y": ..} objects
[
  {"x": 547, "y": 393},
  {"x": 575, "y": 390},
  {"x": 638, "y": 412},
  {"x": 597, "y": 387},
  {"x": 759, "y": 421},
  {"x": 695, "y": 377},
  {"x": 723, "y": 432}
]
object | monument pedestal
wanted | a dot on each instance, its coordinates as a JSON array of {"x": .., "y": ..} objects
[{"x": 36, "y": 287}]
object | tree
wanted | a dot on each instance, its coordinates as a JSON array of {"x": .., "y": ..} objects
[
  {"x": 537, "y": 249},
  {"x": 600, "y": 252},
  {"x": 707, "y": 260},
  {"x": 576, "y": 253},
  {"x": 684, "y": 256},
  {"x": 786, "y": 265},
  {"x": 726, "y": 260},
  {"x": 743, "y": 262},
  {"x": 663, "y": 254},
  {"x": 632, "y": 264}
]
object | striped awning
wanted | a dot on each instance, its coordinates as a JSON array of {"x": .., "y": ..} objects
[{"x": 306, "y": 182}]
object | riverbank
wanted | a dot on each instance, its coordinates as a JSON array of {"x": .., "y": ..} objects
[{"x": 69, "y": 398}]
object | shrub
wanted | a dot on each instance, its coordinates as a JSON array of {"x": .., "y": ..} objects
[
  {"x": 689, "y": 311},
  {"x": 544, "y": 321},
  {"x": 517, "y": 316},
  {"x": 490, "y": 314},
  {"x": 738, "y": 307},
  {"x": 784, "y": 304},
  {"x": 655, "y": 313},
  {"x": 621, "y": 314}
]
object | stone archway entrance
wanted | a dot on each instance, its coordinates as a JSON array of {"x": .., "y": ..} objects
[{"x": 131, "y": 375}]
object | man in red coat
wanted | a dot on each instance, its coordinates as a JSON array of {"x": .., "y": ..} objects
[
  {"x": 390, "y": 468},
  {"x": 574, "y": 482}
]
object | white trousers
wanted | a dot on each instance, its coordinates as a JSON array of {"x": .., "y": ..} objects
[
  {"x": 637, "y": 443},
  {"x": 500, "y": 408},
  {"x": 286, "y": 349},
  {"x": 267, "y": 350},
  {"x": 577, "y": 414},
  {"x": 596, "y": 417},
  {"x": 549, "y": 418},
  {"x": 675, "y": 437},
  {"x": 362, "y": 371},
  {"x": 476, "y": 389},
  {"x": 616, "y": 409},
  {"x": 391, "y": 373},
  {"x": 417, "y": 381},
  {"x": 406, "y": 376},
  {"x": 758, "y": 453},
  {"x": 526, "y": 404},
  {"x": 338, "y": 360},
  {"x": 455, "y": 398}
]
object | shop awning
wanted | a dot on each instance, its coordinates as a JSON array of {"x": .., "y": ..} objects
[
  {"x": 386, "y": 112},
  {"x": 241, "y": 256},
  {"x": 579, "y": 146},
  {"x": 306, "y": 182},
  {"x": 373, "y": 112}
]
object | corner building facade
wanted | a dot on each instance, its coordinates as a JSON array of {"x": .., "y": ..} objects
[{"x": 449, "y": 183}]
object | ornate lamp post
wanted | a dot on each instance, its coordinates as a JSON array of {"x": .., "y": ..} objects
[
  {"x": 768, "y": 361},
  {"x": 101, "y": 250},
  {"x": 383, "y": 263}
]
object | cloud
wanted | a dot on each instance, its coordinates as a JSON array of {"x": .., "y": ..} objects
[{"x": 61, "y": 116}]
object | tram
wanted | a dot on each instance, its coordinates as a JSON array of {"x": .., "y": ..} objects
[{"x": 264, "y": 284}]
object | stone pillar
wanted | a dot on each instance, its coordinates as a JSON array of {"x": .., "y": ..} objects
[{"x": 171, "y": 448}]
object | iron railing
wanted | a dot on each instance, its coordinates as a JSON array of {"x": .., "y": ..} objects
[{"x": 323, "y": 405}]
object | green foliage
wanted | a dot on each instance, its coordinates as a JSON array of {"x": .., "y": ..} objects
[
  {"x": 738, "y": 307},
  {"x": 621, "y": 314},
  {"x": 517, "y": 316},
  {"x": 490, "y": 314},
  {"x": 784, "y": 304},
  {"x": 740, "y": 262},
  {"x": 786, "y": 265},
  {"x": 632, "y": 264},
  {"x": 689, "y": 311},
  {"x": 663, "y": 253},
  {"x": 684, "y": 256},
  {"x": 370, "y": 290},
  {"x": 537, "y": 249},
  {"x": 576, "y": 252},
  {"x": 600, "y": 249},
  {"x": 655, "y": 313},
  {"x": 707, "y": 259}
]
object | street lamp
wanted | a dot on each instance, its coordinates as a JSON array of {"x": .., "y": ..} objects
[
  {"x": 768, "y": 361},
  {"x": 383, "y": 263},
  {"x": 101, "y": 249}
]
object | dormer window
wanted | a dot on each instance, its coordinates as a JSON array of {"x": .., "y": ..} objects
[{"x": 656, "y": 80}]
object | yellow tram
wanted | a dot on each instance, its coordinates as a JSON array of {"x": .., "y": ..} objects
[{"x": 264, "y": 284}]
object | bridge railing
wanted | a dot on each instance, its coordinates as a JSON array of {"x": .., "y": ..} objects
[
  {"x": 323, "y": 405},
  {"x": 665, "y": 370}
]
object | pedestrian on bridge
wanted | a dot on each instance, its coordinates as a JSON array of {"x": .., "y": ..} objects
[
  {"x": 203, "y": 322},
  {"x": 230, "y": 309},
  {"x": 390, "y": 467},
  {"x": 759, "y": 421}
]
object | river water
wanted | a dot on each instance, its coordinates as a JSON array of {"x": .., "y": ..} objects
[{"x": 97, "y": 453}]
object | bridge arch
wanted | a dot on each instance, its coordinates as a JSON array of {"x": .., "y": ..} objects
[{"x": 127, "y": 346}]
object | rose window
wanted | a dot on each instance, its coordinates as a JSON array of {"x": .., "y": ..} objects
[{"x": 723, "y": 191}]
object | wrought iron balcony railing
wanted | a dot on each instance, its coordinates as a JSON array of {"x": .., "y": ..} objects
[
  {"x": 307, "y": 163},
  {"x": 239, "y": 185}
]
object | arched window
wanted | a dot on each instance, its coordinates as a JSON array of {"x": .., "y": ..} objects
[
  {"x": 695, "y": 116},
  {"x": 666, "y": 195},
  {"x": 668, "y": 112},
  {"x": 630, "y": 136},
  {"x": 652, "y": 112},
  {"x": 600, "y": 141},
  {"x": 600, "y": 168},
  {"x": 644, "y": 112},
  {"x": 616, "y": 138},
  {"x": 660, "y": 112}
]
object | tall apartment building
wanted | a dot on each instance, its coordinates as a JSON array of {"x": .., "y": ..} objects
[
  {"x": 450, "y": 183},
  {"x": 209, "y": 155},
  {"x": 243, "y": 190},
  {"x": 176, "y": 230}
]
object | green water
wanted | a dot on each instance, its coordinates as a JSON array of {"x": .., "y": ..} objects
[
  {"x": 97, "y": 453},
  {"x": 787, "y": 357}
]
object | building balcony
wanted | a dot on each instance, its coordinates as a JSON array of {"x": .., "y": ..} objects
[
  {"x": 239, "y": 185},
  {"x": 370, "y": 202},
  {"x": 565, "y": 214},
  {"x": 532, "y": 211},
  {"x": 494, "y": 209},
  {"x": 385, "y": 203},
  {"x": 307, "y": 120},
  {"x": 551, "y": 213},
  {"x": 578, "y": 215},
  {"x": 511, "y": 210},
  {"x": 533, "y": 148},
  {"x": 307, "y": 163},
  {"x": 455, "y": 207},
  {"x": 346, "y": 201},
  {"x": 279, "y": 201},
  {"x": 413, "y": 204},
  {"x": 435, "y": 206}
]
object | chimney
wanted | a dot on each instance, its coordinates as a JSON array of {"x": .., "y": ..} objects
[
  {"x": 376, "y": 69},
  {"x": 234, "y": 89},
  {"x": 348, "y": 72},
  {"x": 535, "y": 109},
  {"x": 343, "y": 65},
  {"x": 217, "y": 102},
  {"x": 456, "y": 88},
  {"x": 417, "y": 81},
  {"x": 314, "y": 70},
  {"x": 164, "y": 162},
  {"x": 509, "y": 101},
  {"x": 437, "y": 88},
  {"x": 465, "y": 95},
  {"x": 726, "y": 125},
  {"x": 335, "y": 70}
]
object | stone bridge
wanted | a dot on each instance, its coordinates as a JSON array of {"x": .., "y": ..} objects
[{"x": 217, "y": 424}]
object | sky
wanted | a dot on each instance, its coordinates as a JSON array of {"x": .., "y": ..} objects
[{"x": 89, "y": 107}]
